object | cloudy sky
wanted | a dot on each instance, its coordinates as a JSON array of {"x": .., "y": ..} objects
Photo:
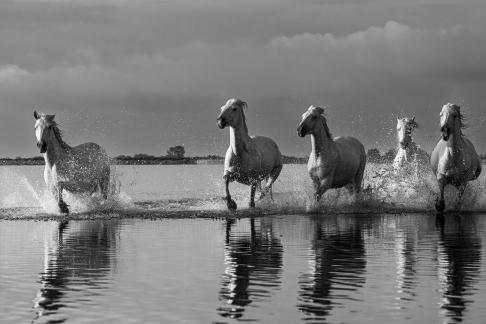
[{"x": 140, "y": 76}]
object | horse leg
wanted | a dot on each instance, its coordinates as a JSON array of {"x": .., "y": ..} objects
[
  {"x": 319, "y": 190},
  {"x": 230, "y": 203},
  {"x": 271, "y": 179},
  {"x": 252, "y": 195},
  {"x": 63, "y": 207},
  {"x": 461, "y": 188},
  {"x": 440, "y": 203}
]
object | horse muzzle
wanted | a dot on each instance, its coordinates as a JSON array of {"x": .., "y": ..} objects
[
  {"x": 445, "y": 133},
  {"x": 221, "y": 123},
  {"x": 42, "y": 147}
]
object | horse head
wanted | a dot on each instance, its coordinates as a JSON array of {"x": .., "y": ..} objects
[
  {"x": 231, "y": 113},
  {"x": 450, "y": 119},
  {"x": 43, "y": 129},
  {"x": 312, "y": 120},
  {"x": 405, "y": 127}
]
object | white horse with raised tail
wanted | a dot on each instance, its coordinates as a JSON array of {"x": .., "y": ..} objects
[
  {"x": 333, "y": 162},
  {"x": 454, "y": 159},
  {"x": 79, "y": 169},
  {"x": 408, "y": 151},
  {"x": 249, "y": 160}
]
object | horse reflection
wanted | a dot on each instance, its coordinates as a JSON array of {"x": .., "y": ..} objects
[
  {"x": 338, "y": 263},
  {"x": 79, "y": 257},
  {"x": 459, "y": 255},
  {"x": 253, "y": 267}
]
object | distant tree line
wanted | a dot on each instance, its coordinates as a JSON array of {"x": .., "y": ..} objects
[{"x": 176, "y": 155}]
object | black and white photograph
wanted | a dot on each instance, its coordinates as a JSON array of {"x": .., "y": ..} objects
[{"x": 226, "y": 161}]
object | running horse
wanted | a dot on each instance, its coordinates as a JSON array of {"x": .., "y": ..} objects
[
  {"x": 407, "y": 149},
  {"x": 249, "y": 160},
  {"x": 333, "y": 162},
  {"x": 454, "y": 159},
  {"x": 79, "y": 169}
]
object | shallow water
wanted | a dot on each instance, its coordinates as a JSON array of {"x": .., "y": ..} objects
[
  {"x": 177, "y": 190},
  {"x": 164, "y": 249}
]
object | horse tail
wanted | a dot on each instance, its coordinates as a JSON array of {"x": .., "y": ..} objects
[{"x": 358, "y": 183}]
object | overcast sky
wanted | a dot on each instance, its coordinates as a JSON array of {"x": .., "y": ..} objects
[{"x": 141, "y": 76}]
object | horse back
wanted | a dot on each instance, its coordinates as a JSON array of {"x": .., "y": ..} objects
[
  {"x": 268, "y": 151},
  {"x": 350, "y": 150},
  {"x": 90, "y": 153},
  {"x": 351, "y": 158}
]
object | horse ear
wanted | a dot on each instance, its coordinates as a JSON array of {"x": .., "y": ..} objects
[
  {"x": 50, "y": 117},
  {"x": 320, "y": 110},
  {"x": 36, "y": 115}
]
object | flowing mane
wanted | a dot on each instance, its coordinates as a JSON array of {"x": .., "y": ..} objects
[
  {"x": 58, "y": 134},
  {"x": 326, "y": 128},
  {"x": 244, "y": 121},
  {"x": 460, "y": 116}
]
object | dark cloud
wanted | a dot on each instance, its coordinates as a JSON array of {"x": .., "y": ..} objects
[{"x": 140, "y": 76}]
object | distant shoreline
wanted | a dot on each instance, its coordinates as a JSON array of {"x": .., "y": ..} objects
[{"x": 147, "y": 160}]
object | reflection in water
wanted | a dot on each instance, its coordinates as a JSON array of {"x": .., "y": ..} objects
[
  {"x": 337, "y": 266},
  {"x": 459, "y": 254},
  {"x": 253, "y": 267},
  {"x": 405, "y": 250},
  {"x": 80, "y": 257}
]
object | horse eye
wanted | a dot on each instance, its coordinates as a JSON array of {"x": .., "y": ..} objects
[{"x": 234, "y": 109}]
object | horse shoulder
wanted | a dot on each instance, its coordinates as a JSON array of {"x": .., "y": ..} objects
[
  {"x": 472, "y": 159},
  {"x": 349, "y": 149},
  {"x": 268, "y": 150}
]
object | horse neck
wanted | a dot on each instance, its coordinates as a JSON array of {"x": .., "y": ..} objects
[
  {"x": 239, "y": 138},
  {"x": 55, "y": 149},
  {"x": 322, "y": 142},
  {"x": 455, "y": 141}
]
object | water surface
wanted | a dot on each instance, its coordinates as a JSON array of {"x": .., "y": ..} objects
[
  {"x": 288, "y": 269},
  {"x": 164, "y": 249}
]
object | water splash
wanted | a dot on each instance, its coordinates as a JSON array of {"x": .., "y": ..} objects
[{"x": 182, "y": 190}]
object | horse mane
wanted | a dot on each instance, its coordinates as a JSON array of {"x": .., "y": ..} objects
[
  {"x": 58, "y": 134},
  {"x": 326, "y": 128},
  {"x": 460, "y": 116},
  {"x": 244, "y": 120}
]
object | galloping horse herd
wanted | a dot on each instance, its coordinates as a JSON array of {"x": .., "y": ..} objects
[{"x": 333, "y": 162}]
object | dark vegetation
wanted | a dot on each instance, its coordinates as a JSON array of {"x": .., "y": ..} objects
[{"x": 176, "y": 155}]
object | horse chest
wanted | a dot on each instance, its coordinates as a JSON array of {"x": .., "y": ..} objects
[
  {"x": 452, "y": 163},
  {"x": 319, "y": 168}
]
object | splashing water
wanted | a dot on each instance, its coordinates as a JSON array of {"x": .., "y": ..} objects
[{"x": 189, "y": 189}]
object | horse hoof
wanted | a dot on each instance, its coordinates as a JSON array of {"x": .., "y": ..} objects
[
  {"x": 231, "y": 204},
  {"x": 439, "y": 205}
]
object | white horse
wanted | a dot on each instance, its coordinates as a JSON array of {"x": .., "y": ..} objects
[
  {"x": 249, "y": 160},
  {"x": 408, "y": 151},
  {"x": 83, "y": 168},
  {"x": 454, "y": 159},
  {"x": 333, "y": 163}
]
